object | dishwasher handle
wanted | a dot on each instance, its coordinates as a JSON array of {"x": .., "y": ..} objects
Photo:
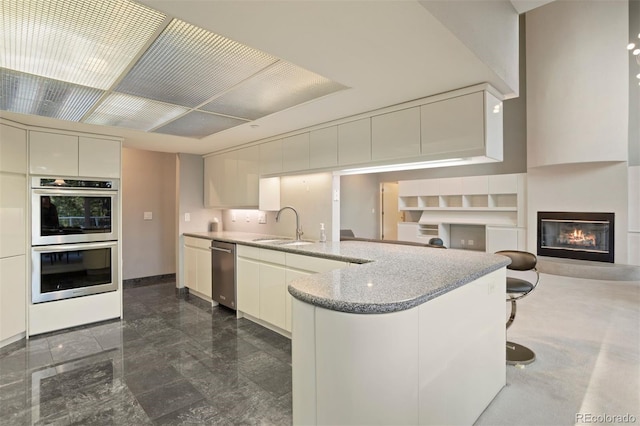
[{"x": 221, "y": 249}]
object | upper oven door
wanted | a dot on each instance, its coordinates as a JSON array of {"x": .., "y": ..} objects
[{"x": 61, "y": 216}]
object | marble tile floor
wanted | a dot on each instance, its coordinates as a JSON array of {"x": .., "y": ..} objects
[{"x": 170, "y": 361}]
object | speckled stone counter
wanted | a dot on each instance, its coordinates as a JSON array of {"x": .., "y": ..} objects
[{"x": 384, "y": 277}]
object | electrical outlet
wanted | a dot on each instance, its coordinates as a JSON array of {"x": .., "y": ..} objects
[
  {"x": 247, "y": 218},
  {"x": 187, "y": 217},
  {"x": 470, "y": 242},
  {"x": 148, "y": 216},
  {"x": 262, "y": 217},
  {"x": 233, "y": 216}
]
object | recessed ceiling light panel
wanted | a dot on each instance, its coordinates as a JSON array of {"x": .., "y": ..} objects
[
  {"x": 30, "y": 94},
  {"x": 198, "y": 124},
  {"x": 187, "y": 65},
  {"x": 86, "y": 42},
  {"x": 279, "y": 87},
  {"x": 133, "y": 112}
]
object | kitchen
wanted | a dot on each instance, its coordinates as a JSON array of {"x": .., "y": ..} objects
[{"x": 152, "y": 252}]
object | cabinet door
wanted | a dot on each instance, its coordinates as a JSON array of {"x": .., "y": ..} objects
[
  {"x": 453, "y": 125},
  {"x": 13, "y": 214},
  {"x": 13, "y": 293},
  {"x": 354, "y": 142},
  {"x": 203, "y": 272},
  {"x": 98, "y": 157},
  {"x": 295, "y": 153},
  {"x": 291, "y": 275},
  {"x": 248, "y": 176},
  {"x": 213, "y": 174},
  {"x": 272, "y": 294},
  {"x": 191, "y": 267},
  {"x": 323, "y": 148},
  {"x": 53, "y": 154},
  {"x": 248, "y": 286},
  {"x": 229, "y": 195},
  {"x": 501, "y": 239},
  {"x": 396, "y": 134},
  {"x": 271, "y": 157},
  {"x": 13, "y": 149}
]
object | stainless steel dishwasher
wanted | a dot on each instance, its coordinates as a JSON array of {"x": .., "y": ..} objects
[{"x": 223, "y": 273}]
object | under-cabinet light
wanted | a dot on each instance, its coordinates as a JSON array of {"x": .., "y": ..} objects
[{"x": 407, "y": 166}]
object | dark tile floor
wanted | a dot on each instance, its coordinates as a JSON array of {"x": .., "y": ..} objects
[{"x": 170, "y": 361}]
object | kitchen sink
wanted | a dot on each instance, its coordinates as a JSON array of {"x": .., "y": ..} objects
[
  {"x": 272, "y": 240},
  {"x": 296, "y": 243}
]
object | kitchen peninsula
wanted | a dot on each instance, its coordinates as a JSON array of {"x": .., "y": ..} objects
[{"x": 402, "y": 335}]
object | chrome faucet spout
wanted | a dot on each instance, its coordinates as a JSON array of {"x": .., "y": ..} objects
[{"x": 298, "y": 229}]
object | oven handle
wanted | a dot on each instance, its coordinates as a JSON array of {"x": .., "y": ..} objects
[
  {"x": 71, "y": 247},
  {"x": 68, "y": 192}
]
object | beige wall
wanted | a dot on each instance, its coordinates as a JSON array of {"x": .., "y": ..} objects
[
  {"x": 148, "y": 185},
  {"x": 310, "y": 195}
]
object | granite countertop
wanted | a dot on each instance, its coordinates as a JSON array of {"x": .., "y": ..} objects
[{"x": 387, "y": 277}]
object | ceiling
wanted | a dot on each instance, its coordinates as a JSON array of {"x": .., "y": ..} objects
[{"x": 375, "y": 53}]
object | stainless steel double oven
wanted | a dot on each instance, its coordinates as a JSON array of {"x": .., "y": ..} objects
[{"x": 74, "y": 237}]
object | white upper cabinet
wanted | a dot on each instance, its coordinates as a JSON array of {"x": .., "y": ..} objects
[
  {"x": 396, "y": 134},
  {"x": 213, "y": 175},
  {"x": 323, "y": 148},
  {"x": 248, "y": 176},
  {"x": 231, "y": 178},
  {"x": 295, "y": 153},
  {"x": 13, "y": 149},
  {"x": 98, "y": 157},
  {"x": 454, "y": 125},
  {"x": 57, "y": 154},
  {"x": 53, "y": 154},
  {"x": 271, "y": 157},
  {"x": 354, "y": 142}
]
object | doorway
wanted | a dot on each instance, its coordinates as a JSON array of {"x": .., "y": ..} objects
[{"x": 389, "y": 214}]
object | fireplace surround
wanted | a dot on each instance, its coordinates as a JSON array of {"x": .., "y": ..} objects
[{"x": 576, "y": 235}]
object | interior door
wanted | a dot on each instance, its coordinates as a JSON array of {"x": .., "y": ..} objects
[{"x": 389, "y": 210}]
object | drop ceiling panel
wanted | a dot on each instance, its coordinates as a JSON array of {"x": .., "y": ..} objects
[
  {"x": 188, "y": 65},
  {"x": 133, "y": 112},
  {"x": 281, "y": 86},
  {"x": 86, "y": 42},
  {"x": 30, "y": 94},
  {"x": 198, "y": 124}
]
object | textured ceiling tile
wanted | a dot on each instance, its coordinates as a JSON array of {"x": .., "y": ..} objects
[{"x": 187, "y": 65}]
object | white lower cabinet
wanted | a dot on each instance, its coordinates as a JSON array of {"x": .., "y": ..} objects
[
  {"x": 197, "y": 265},
  {"x": 248, "y": 285},
  {"x": 262, "y": 279},
  {"x": 13, "y": 298}
]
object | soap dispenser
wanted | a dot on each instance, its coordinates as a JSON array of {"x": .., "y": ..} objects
[{"x": 323, "y": 234}]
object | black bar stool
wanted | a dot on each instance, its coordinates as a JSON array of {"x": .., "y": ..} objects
[{"x": 517, "y": 288}]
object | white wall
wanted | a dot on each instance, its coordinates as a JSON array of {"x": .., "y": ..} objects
[
  {"x": 578, "y": 112},
  {"x": 577, "y": 82},
  {"x": 148, "y": 185}
]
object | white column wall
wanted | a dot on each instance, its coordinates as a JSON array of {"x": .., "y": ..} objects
[{"x": 634, "y": 215}]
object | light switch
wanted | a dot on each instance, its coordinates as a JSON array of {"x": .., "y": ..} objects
[
  {"x": 148, "y": 215},
  {"x": 262, "y": 217},
  {"x": 187, "y": 217}
]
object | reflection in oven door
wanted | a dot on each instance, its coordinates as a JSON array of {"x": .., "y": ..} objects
[{"x": 72, "y": 270}]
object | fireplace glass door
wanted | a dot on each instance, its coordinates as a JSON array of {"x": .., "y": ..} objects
[{"x": 587, "y": 236}]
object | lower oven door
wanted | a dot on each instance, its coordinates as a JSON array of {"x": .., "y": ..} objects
[{"x": 71, "y": 270}]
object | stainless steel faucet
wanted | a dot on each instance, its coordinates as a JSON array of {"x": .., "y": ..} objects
[{"x": 298, "y": 229}]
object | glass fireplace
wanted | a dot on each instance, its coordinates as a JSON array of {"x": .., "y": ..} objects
[{"x": 576, "y": 235}]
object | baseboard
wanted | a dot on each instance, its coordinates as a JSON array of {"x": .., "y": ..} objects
[{"x": 151, "y": 280}]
